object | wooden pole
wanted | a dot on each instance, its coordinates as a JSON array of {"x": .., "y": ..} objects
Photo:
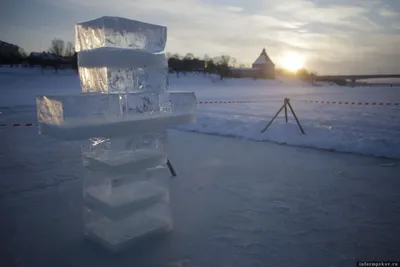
[
  {"x": 294, "y": 114},
  {"x": 266, "y": 127},
  {"x": 171, "y": 169},
  {"x": 286, "y": 119}
]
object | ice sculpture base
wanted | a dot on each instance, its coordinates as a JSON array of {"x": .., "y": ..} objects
[
  {"x": 79, "y": 129},
  {"x": 125, "y": 200}
]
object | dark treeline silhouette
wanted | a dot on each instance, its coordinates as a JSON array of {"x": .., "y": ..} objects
[
  {"x": 62, "y": 55},
  {"x": 207, "y": 65},
  {"x": 59, "y": 55}
]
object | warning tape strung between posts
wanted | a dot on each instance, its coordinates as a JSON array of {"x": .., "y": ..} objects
[
  {"x": 228, "y": 102},
  {"x": 353, "y": 103},
  {"x": 18, "y": 124},
  {"x": 249, "y": 101}
]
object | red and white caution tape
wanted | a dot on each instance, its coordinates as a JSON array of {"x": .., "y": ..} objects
[
  {"x": 18, "y": 125},
  {"x": 225, "y": 102},
  {"x": 353, "y": 103}
]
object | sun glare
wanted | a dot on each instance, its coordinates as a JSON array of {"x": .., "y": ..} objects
[{"x": 292, "y": 61}]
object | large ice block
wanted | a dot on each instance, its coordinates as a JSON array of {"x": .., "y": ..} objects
[
  {"x": 152, "y": 140},
  {"x": 106, "y": 182},
  {"x": 125, "y": 200},
  {"x": 120, "y": 32},
  {"x": 125, "y": 161},
  {"x": 78, "y": 117},
  {"x": 176, "y": 102},
  {"x": 114, "y": 70},
  {"x": 58, "y": 109},
  {"x": 117, "y": 236},
  {"x": 120, "y": 58},
  {"x": 122, "y": 80}
]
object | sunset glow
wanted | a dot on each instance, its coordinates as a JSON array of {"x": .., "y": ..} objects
[{"x": 293, "y": 61}]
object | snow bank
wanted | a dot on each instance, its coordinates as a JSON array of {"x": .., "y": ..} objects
[{"x": 321, "y": 135}]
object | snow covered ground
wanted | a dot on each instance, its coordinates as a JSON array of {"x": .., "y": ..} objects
[
  {"x": 364, "y": 129},
  {"x": 235, "y": 202}
]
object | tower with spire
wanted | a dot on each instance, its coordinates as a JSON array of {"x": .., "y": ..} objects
[{"x": 265, "y": 64}]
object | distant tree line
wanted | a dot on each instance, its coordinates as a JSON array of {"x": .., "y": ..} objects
[
  {"x": 189, "y": 63},
  {"x": 12, "y": 57},
  {"x": 60, "y": 54}
]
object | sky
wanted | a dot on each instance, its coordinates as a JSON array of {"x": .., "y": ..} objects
[{"x": 331, "y": 36}]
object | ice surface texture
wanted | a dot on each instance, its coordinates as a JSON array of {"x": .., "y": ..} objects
[
  {"x": 121, "y": 33},
  {"x": 113, "y": 70}
]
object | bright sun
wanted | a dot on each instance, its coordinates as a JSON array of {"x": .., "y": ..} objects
[{"x": 292, "y": 61}]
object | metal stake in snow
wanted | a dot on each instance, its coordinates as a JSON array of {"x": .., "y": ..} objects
[
  {"x": 286, "y": 103},
  {"x": 122, "y": 113}
]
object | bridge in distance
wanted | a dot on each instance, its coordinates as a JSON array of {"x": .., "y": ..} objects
[{"x": 353, "y": 78}]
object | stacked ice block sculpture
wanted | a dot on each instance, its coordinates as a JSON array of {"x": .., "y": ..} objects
[{"x": 122, "y": 113}]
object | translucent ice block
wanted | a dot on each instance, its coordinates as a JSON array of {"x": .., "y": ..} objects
[
  {"x": 120, "y": 58},
  {"x": 153, "y": 140},
  {"x": 80, "y": 117},
  {"x": 122, "y": 80},
  {"x": 125, "y": 161},
  {"x": 58, "y": 109},
  {"x": 117, "y": 236},
  {"x": 177, "y": 102},
  {"x": 159, "y": 175},
  {"x": 120, "y": 32},
  {"x": 125, "y": 200},
  {"x": 113, "y": 70}
]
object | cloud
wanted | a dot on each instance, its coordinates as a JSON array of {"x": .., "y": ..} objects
[
  {"x": 323, "y": 32},
  {"x": 384, "y": 12},
  {"x": 234, "y": 8}
]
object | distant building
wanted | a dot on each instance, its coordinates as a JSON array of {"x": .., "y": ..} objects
[
  {"x": 245, "y": 72},
  {"x": 263, "y": 67},
  {"x": 265, "y": 64},
  {"x": 7, "y": 50}
]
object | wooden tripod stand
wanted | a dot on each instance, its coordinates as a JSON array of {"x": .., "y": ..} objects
[{"x": 286, "y": 103}]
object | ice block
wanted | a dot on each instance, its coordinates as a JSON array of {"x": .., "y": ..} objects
[
  {"x": 77, "y": 117},
  {"x": 117, "y": 236},
  {"x": 125, "y": 161},
  {"x": 120, "y": 58},
  {"x": 125, "y": 200},
  {"x": 152, "y": 140},
  {"x": 120, "y": 32},
  {"x": 113, "y": 70},
  {"x": 122, "y": 80}
]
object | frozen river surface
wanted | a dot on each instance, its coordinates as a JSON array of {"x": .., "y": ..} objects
[{"x": 235, "y": 203}]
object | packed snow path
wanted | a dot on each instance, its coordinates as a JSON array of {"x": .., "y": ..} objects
[{"x": 235, "y": 203}]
